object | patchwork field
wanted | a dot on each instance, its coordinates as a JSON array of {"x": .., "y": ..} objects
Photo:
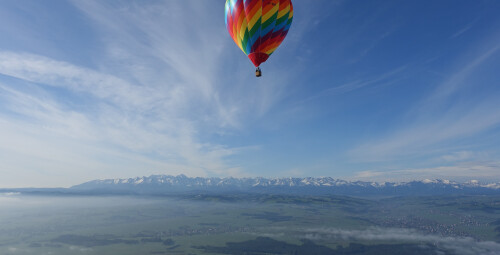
[{"x": 248, "y": 224}]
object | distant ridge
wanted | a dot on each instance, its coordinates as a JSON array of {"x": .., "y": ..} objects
[{"x": 166, "y": 184}]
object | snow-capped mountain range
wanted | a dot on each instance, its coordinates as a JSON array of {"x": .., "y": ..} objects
[{"x": 162, "y": 184}]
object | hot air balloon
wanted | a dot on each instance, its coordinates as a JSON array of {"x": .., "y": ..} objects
[{"x": 258, "y": 27}]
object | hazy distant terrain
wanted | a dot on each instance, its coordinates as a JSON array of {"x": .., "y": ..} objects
[
  {"x": 248, "y": 223},
  {"x": 181, "y": 184}
]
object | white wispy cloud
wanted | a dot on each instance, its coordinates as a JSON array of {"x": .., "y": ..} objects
[
  {"x": 464, "y": 29},
  {"x": 459, "y": 156},
  {"x": 44, "y": 140},
  {"x": 113, "y": 128},
  {"x": 465, "y": 171},
  {"x": 459, "y": 78},
  {"x": 421, "y": 136},
  {"x": 50, "y": 72},
  {"x": 440, "y": 117},
  {"x": 384, "y": 78}
]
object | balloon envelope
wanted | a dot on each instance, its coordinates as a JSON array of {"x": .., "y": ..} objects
[{"x": 258, "y": 26}]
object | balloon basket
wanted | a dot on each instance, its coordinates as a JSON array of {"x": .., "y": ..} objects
[{"x": 258, "y": 72}]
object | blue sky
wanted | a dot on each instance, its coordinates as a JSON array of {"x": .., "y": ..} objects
[{"x": 368, "y": 90}]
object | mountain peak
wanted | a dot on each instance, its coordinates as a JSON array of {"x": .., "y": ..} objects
[{"x": 307, "y": 185}]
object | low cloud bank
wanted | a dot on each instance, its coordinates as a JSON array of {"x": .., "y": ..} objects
[{"x": 459, "y": 245}]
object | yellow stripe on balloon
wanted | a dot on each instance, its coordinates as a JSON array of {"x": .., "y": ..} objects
[
  {"x": 255, "y": 18},
  {"x": 284, "y": 12},
  {"x": 270, "y": 13}
]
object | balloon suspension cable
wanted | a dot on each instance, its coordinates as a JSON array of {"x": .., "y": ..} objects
[{"x": 258, "y": 72}]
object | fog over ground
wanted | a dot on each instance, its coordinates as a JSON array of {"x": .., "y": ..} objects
[{"x": 459, "y": 245}]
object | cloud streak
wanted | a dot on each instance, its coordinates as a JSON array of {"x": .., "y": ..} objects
[
  {"x": 440, "y": 118},
  {"x": 465, "y": 171}
]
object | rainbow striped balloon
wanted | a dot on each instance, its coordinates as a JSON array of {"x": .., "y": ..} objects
[{"x": 258, "y": 26}]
